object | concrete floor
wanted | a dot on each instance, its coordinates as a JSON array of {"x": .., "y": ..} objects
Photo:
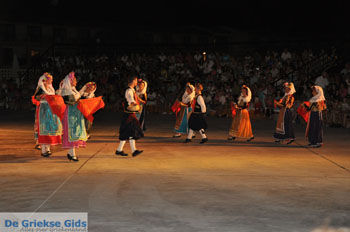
[{"x": 220, "y": 186}]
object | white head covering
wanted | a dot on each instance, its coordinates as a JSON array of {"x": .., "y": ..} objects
[
  {"x": 319, "y": 96},
  {"x": 289, "y": 85},
  {"x": 49, "y": 90},
  {"x": 138, "y": 92},
  {"x": 187, "y": 98},
  {"x": 247, "y": 98},
  {"x": 85, "y": 94},
  {"x": 66, "y": 88}
]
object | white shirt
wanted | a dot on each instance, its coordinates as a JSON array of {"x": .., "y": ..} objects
[
  {"x": 124, "y": 58},
  {"x": 162, "y": 58},
  {"x": 321, "y": 81},
  {"x": 286, "y": 55},
  {"x": 197, "y": 57},
  {"x": 208, "y": 66},
  {"x": 201, "y": 102},
  {"x": 274, "y": 72},
  {"x": 345, "y": 71},
  {"x": 129, "y": 95},
  {"x": 222, "y": 99}
]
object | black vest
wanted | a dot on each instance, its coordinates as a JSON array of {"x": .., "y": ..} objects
[
  {"x": 69, "y": 99},
  {"x": 243, "y": 105},
  {"x": 197, "y": 107}
]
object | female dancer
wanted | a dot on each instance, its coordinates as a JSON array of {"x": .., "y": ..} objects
[
  {"x": 284, "y": 128},
  {"x": 87, "y": 92},
  {"x": 141, "y": 92},
  {"x": 48, "y": 127},
  {"x": 184, "y": 111},
  {"x": 314, "y": 131},
  {"x": 241, "y": 126},
  {"x": 74, "y": 131}
]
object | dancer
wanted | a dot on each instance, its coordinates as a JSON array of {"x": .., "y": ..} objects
[
  {"x": 284, "y": 128},
  {"x": 36, "y": 103},
  {"x": 241, "y": 126},
  {"x": 141, "y": 92},
  {"x": 74, "y": 131},
  {"x": 183, "y": 111},
  {"x": 315, "y": 106},
  {"x": 197, "y": 121},
  {"x": 48, "y": 128},
  {"x": 87, "y": 92},
  {"x": 130, "y": 127}
]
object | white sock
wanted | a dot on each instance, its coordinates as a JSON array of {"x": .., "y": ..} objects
[
  {"x": 72, "y": 152},
  {"x": 190, "y": 134},
  {"x": 202, "y": 132},
  {"x": 121, "y": 145},
  {"x": 43, "y": 148},
  {"x": 132, "y": 145},
  {"x": 48, "y": 147}
]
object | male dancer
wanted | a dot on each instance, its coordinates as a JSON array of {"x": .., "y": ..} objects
[
  {"x": 130, "y": 127},
  {"x": 197, "y": 121}
]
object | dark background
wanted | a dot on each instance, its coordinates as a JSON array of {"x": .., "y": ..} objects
[{"x": 283, "y": 17}]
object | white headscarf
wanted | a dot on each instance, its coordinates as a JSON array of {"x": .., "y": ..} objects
[
  {"x": 66, "y": 88},
  {"x": 138, "y": 92},
  {"x": 187, "y": 98},
  {"x": 87, "y": 95},
  {"x": 319, "y": 96},
  {"x": 49, "y": 90},
  {"x": 289, "y": 85},
  {"x": 247, "y": 98}
]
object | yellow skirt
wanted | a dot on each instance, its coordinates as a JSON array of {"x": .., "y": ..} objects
[{"x": 241, "y": 126}]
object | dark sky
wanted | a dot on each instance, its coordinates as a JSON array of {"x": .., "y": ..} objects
[{"x": 246, "y": 15}]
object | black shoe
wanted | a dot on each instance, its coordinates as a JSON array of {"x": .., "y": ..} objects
[
  {"x": 290, "y": 141},
  {"x": 193, "y": 136},
  {"x": 46, "y": 154},
  {"x": 71, "y": 158},
  {"x": 176, "y": 136},
  {"x": 204, "y": 140},
  {"x": 38, "y": 147},
  {"x": 231, "y": 138},
  {"x": 136, "y": 152},
  {"x": 277, "y": 141},
  {"x": 248, "y": 140},
  {"x": 188, "y": 141},
  {"x": 121, "y": 153}
]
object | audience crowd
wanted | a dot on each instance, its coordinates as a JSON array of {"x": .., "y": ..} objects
[{"x": 221, "y": 74}]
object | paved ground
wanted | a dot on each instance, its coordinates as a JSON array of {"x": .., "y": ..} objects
[{"x": 220, "y": 186}]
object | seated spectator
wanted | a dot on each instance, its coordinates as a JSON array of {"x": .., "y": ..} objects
[{"x": 322, "y": 80}]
